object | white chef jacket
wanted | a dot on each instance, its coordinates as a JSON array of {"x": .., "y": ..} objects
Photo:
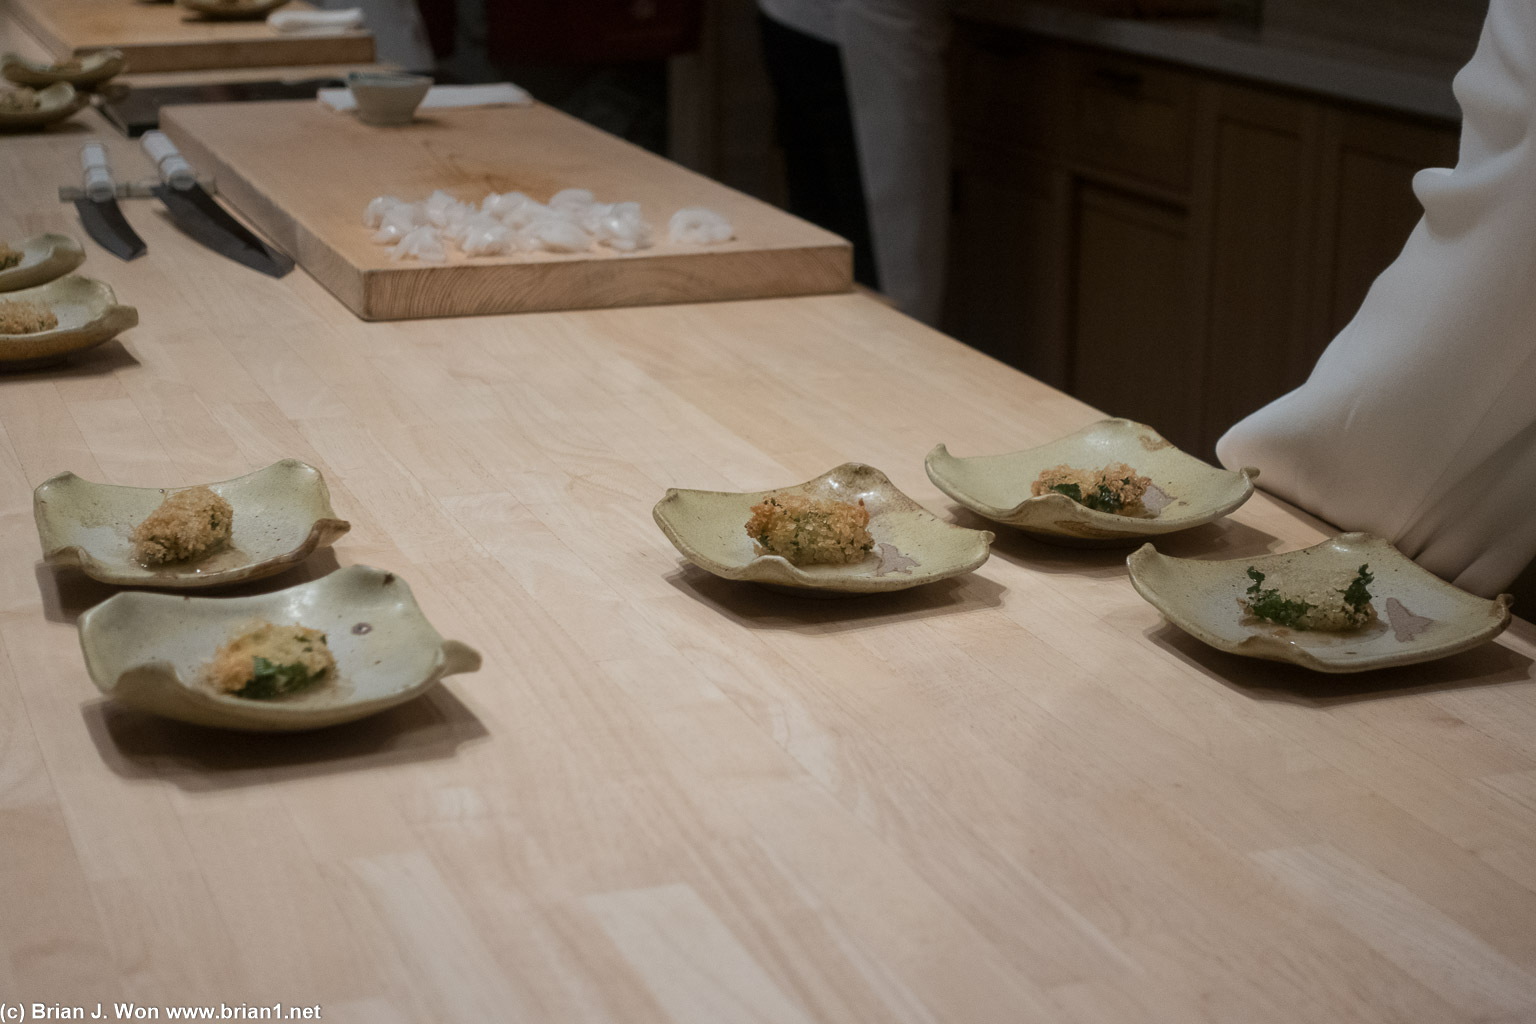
[{"x": 1419, "y": 421}]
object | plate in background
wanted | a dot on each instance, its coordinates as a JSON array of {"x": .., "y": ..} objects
[
  {"x": 1189, "y": 492},
  {"x": 43, "y": 258},
  {"x": 1419, "y": 616}
]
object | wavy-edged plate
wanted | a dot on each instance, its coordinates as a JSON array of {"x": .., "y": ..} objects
[
  {"x": 283, "y": 515},
  {"x": 1185, "y": 491},
  {"x": 1419, "y": 616},
  {"x": 92, "y": 69},
  {"x": 43, "y": 258},
  {"x": 912, "y": 546},
  {"x": 55, "y": 103},
  {"x": 88, "y": 313},
  {"x": 233, "y": 10},
  {"x": 147, "y": 651}
]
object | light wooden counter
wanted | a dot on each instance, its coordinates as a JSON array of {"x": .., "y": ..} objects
[
  {"x": 157, "y": 37},
  {"x": 1016, "y": 796}
]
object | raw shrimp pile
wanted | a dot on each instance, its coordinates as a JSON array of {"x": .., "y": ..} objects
[{"x": 507, "y": 222}]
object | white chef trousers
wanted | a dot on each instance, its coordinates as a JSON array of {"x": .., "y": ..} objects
[
  {"x": 399, "y": 37},
  {"x": 1419, "y": 421},
  {"x": 893, "y": 60}
]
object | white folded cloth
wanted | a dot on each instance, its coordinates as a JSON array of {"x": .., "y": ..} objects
[
  {"x": 1419, "y": 421},
  {"x": 316, "y": 21},
  {"x": 442, "y": 96}
]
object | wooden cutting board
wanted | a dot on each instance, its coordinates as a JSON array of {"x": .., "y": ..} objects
[
  {"x": 303, "y": 174},
  {"x": 169, "y": 37}
]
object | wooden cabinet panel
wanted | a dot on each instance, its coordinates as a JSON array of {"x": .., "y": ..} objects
[
  {"x": 1367, "y": 205},
  {"x": 1131, "y": 116},
  {"x": 1007, "y": 88},
  {"x": 1170, "y": 245},
  {"x": 1261, "y": 186},
  {"x": 1006, "y": 281},
  {"x": 1133, "y": 350}
]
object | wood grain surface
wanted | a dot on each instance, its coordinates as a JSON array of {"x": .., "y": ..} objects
[
  {"x": 168, "y": 37},
  {"x": 304, "y": 174},
  {"x": 1018, "y": 796}
]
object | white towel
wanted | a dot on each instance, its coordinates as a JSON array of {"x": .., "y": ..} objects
[
  {"x": 1419, "y": 421},
  {"x": 316, "y": 22},
  {"x": 441, "y": 96}
]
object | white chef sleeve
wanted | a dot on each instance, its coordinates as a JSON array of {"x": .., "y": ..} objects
[{"x": 1419, "y": 421}]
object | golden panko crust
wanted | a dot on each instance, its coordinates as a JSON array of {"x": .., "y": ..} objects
[
  {"x": 269, "y": 661},
  {"x": 22, "y": 316},
  {"x": 8, "y": 257},
  {"x": 187, "y": 524},
  {"x": 810, "y": 531},
  {"x": 18, "y": 100},
  {"x": 1114, "y": 488}
]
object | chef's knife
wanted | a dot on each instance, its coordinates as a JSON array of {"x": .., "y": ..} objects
[
  {"x": 195, "y": 212},
  {"x": 99, "y": 214}
]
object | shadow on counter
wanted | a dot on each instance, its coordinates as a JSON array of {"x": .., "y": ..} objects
[
  {"x": 138, "y": 745},
  {"x": 67, "y": 592},
  {"x": 1225, "y": 538},
  {"x": 759, "y": 607},
  {"x": 1491, "y": 664},
  {"x": 100, "y": 361}
]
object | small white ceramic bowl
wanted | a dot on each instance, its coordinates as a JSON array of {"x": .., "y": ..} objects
[{"x": 387, "y": 97}]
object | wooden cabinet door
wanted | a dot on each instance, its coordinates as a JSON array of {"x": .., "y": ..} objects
[
  {"x": 1135, "y": 352},
  {"x": 1258, "y": 208},
  {"x": 1366, "y": 206}
]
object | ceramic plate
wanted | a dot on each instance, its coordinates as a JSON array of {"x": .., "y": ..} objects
[
  {"x": 55, "y": 103},
  {"x": 88, "y": 314},
  {"x": 147, "y": 651},
  {"x": 1419, "y": 616},
  {"x": 43, "y": 258},
  {"x": 912, "y": 546},
  {"x": 233, "y": 10},
  {"x": 1185, "y": 491},
  {"x": 282, "y": 515},
  {"x": 94, "y": 69}
]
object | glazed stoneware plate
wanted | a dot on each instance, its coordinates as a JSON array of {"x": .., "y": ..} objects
[
  {"x": 148, "y": 651},
  {"x": 233, "y": 10},
  {"x": 82, "y": 73},
  {"x": 1419, "y": 616},
  {"x": 1185, "y": 492},
  {"x": 282, "y": 514},
  {"x": 55, "y": 103},
  {"x": 88, "y": 313},
  {"x": 43, "y": 258},
  {"x": 912, "y": 546}
]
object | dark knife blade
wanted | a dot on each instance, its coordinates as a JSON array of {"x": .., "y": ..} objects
[
  {"x": 106, "y": 224},
  {"x": 196, "y": 213}
]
